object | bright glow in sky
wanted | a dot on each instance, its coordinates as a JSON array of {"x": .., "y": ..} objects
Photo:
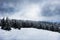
[{"x": 30, "y": 12}]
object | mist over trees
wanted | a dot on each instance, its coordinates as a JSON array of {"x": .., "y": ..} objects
[{"x": 7, "y": 24}]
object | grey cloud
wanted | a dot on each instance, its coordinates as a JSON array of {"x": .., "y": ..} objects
[
  {"x": 51, "y": 10},
  {"x": 9, "y": 6},
  {"x": 35, "y": 1},
  {"x": 9, "y": 9}
]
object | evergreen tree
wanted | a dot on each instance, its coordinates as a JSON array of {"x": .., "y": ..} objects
[
  {"x": 3, "y": 23},
  {"x": 7, "y": 25},
  {"x": 52, "y": 28}
]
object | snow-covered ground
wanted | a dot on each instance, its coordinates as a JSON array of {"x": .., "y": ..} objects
[{"x": 28, "y": 34}]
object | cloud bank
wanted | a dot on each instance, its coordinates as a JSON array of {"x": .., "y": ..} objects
[{"x": 38, "y": 10}]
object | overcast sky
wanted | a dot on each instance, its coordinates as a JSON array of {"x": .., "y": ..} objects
[{"x": 37, "y": 10}]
